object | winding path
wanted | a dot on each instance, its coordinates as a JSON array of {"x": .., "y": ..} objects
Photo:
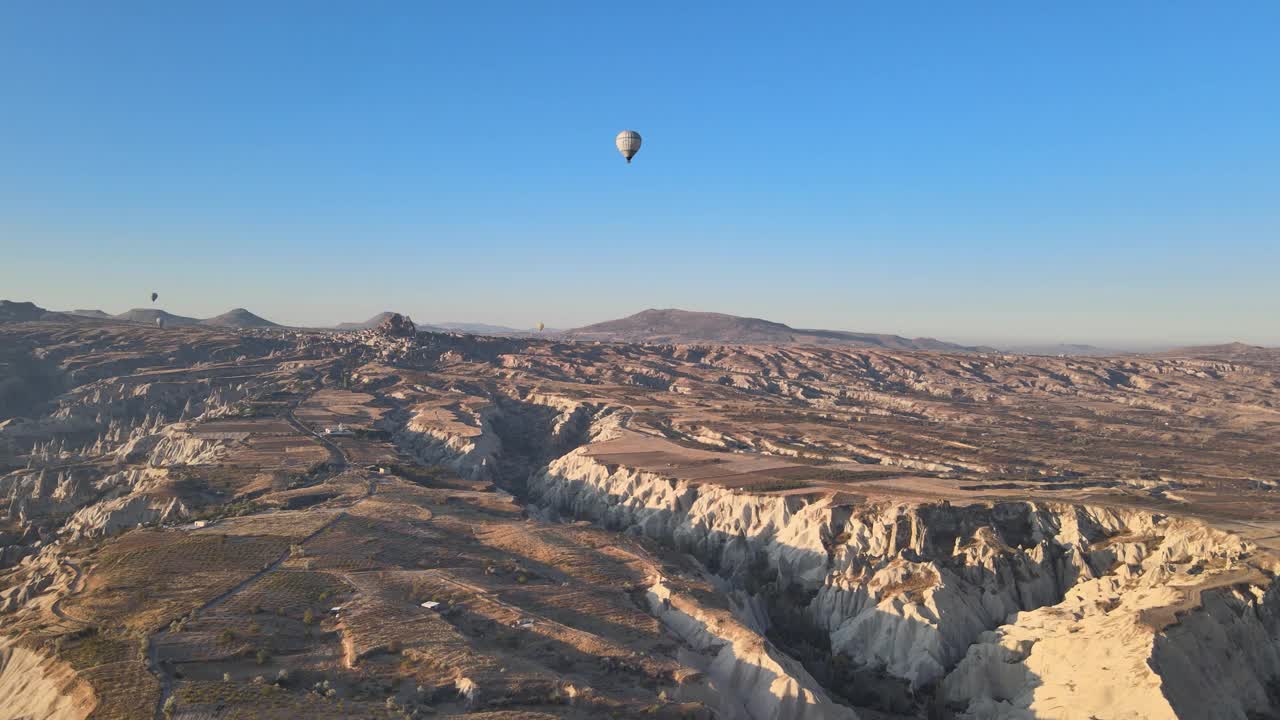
[
  {"x": 72, "y": 589},
  {"x": 338, "y": 460}
]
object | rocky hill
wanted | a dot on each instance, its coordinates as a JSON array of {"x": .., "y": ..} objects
[
  {"x": 369, "y": 324},
  {"x": 382, "y": 318},
  {"x": 24, "y": 312},
  {"x": 684, "y": 326},
  {"x": 236, "y": 318},
  {"x": 97, "y": 314},
  {"x": 239, "y": 318},
  {"x": 1233, "y": 351},
  {"x": 149, "y": 315}
]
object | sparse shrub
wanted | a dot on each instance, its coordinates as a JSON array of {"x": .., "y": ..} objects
[
  {"x": 394, "y": 647},
  {"x": 170, "y": 705},
  {"x": 297, "y": 551},
  {"x": 282, "y": 677},
  {"x": 262, "y": 656},
  {"x": 324, "y": 595},
  {"x": 226, "y": 677},
  {"x": 226, "y": 636},
  {"x": 308, "y": 617},
  {"x": 259, "y": 680},
  {"x": 254, "y": 628}
]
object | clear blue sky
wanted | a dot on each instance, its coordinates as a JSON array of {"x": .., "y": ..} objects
[{"x": 1083, "y": 171}]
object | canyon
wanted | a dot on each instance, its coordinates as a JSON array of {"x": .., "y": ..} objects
[{"x": 203, "y": 521}]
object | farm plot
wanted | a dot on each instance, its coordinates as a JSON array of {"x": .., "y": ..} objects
[{"x": 149, "y": 578}]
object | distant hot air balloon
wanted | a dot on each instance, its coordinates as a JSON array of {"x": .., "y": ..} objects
[
  {"x": 160, "y": 323},
  {"x": 628, "y": 142},
  {"x": 154, "y": 296},
  {"x": 541, "y": 327}
]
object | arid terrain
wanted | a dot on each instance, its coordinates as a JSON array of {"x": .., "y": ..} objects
[{"x": 209, "y": 522}]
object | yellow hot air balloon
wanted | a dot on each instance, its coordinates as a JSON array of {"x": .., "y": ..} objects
[
  {"x": 628, "y": 142},
  {"x": 541, "y": 327}
]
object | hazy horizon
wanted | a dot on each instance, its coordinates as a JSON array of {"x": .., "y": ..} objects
[
  {"x": 1090, "y": 173},
  {"x": 425, "y": 318}
]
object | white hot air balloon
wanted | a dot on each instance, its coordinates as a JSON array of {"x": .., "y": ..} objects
[
  {"x": 628, "y": 142},
  {"x": 160, "y": 322},
  {"x": 541, "y": 327}
]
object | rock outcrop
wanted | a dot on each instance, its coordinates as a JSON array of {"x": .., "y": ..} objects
[{"x": 397, "y": 325}]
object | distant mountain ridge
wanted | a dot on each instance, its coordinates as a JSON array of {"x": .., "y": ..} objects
[
  {"x": 1059, "y": 349},
  {"x": 684, "y": 326},
  {"x": 481, "y": 328},
  {"x": 1231, "y": 351},
  {"x": 235, "y": 318}
]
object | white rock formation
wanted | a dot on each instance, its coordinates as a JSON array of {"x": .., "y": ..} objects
[
  {"x": 35, "y": 686},
  {"x": 1019, "y": 606},
  {"x": 752, "y": 679},
  {"x": 467, "y": 453}
]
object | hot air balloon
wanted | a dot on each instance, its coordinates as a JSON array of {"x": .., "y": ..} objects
[
  {"x": 154, "y": 296},
  {"x": 628, "y": 142},
  {"x": 160, "y": 323},
  {"x": 541, "y": 327}
]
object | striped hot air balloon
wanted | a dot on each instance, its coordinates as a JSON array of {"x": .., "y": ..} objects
[{"x": 628, "y": 142}]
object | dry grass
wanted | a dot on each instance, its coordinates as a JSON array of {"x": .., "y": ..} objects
[
  {"x": 249, "y": 701},
  {"x": 147, "y": 579},
  {"x": 290, "y": 591},
  {"x": 125, "y": 690}
]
